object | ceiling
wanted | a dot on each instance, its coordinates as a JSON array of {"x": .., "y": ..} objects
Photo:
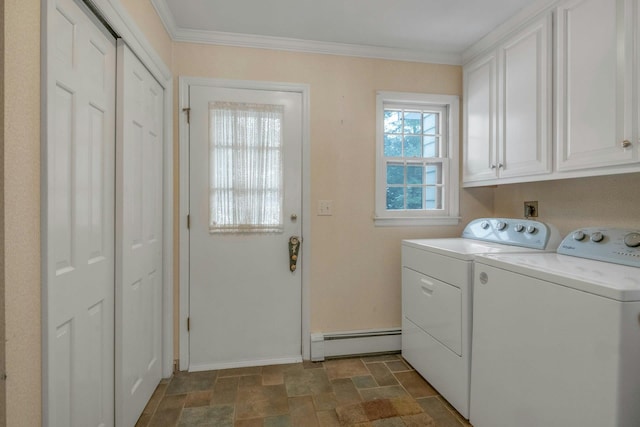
[{"x": 415, "y": 28}]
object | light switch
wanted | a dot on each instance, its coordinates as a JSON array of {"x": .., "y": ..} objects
[{"x": 325, "y": 207}]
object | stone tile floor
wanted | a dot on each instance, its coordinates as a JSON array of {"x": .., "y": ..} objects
[{"x": 373, "y": 391}]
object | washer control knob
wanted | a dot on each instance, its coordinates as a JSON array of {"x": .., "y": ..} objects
[
  {"x": 632, "y": 240},
  {"x": 597, "y": 237},
  {"x": 532, "y": 229},
  {"x": 501, "y": 225},
  {"x": 519, "y": 228},
  {"x": 484, "y": 225},
  {"x": 578, "y": 235}
]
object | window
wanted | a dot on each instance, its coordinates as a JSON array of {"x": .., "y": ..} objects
[
  {"x": 245, "y": 176},
  {"x": 417, "y": 159}
]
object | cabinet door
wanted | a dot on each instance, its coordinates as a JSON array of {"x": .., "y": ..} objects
[
  {"x": 480, "y": 119},
  {"x": 524, "y": 102},
  {"x": 593, "y": 84}
]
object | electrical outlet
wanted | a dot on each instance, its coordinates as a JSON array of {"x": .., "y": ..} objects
[
  {"x": 531, "y": 209},
  {"x": 325, "y": 207}
]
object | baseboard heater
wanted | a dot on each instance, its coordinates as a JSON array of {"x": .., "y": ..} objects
[{"x": 339, "y": 344}]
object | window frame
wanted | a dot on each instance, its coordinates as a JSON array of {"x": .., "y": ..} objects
[{"x": 449, "y": 215}]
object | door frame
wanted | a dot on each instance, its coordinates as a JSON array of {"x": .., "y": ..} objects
[
  {"x": 183, "y": 102},
  {"x": 117, "y": 18}
]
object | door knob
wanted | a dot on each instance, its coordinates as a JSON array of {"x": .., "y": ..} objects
[
  {"x": 626, "y": 143},
  {"x": 294, "y": 248},
  {"x": 294, "y": 217}
]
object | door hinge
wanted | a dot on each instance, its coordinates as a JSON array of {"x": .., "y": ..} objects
[
  {"x": 188, "y": 222},
  {"x": 188, "y": 324},
  {"x": 188, "y": 111}
]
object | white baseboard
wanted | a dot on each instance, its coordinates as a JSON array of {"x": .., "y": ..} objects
[
  {"x": 244, "y": 364},
  {"x": 324, "y": 345}
]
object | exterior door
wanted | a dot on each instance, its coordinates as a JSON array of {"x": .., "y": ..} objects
[
  {"x": 245, "y": 204},
  {"x": 79, "y": 239},
  {"x": 139, "y": 237}
]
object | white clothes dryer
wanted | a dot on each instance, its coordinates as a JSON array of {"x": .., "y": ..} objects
[
  {"x": 556, "y": 337},
  {"x": 437, "y": 277}
]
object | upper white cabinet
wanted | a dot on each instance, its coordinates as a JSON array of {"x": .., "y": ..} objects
[
  {"x": 479, "y": 117},
  {"x": 507, "y": 113},
  {"x": 594, "y": 77},
  {"x": 524, "y": 101},
  {"x": 557, "y": 99}
]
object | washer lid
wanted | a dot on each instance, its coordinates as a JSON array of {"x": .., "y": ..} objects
[
  {"x": 464, "y": 249},
  {"x": 614, "y": 281}
]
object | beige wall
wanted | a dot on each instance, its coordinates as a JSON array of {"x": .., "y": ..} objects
[
  {"x": 355, "y": 273},
  {"x": 148, "y": 21},
  {"x": 573, "y": 203},
  {"x": 21, "y": 209},
  {"x": 355, "y": 280}
]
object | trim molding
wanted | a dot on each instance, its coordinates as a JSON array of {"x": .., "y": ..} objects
[
  {"x": 245, "y": 364},
  {"x": 514, "y": 23},
  {"x": 355, "y": 342},
  {"x": 179, "y": 34},
  {"x": 183, "y": 101}
]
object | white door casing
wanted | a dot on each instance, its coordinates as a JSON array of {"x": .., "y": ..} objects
[
  {"x": 139, "y": 268},
  {"x": 79, "y": 220},
  {"x": 245, "y": 304}
]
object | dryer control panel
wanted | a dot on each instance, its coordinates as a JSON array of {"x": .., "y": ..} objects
[
  {"x": 514, "y": 232},
  {"x": 616, "y": 245}
]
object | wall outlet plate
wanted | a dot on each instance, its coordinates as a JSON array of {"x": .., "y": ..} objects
[
  {"x": 325, "y": 207},
  {"x": 531, "y": 209}
]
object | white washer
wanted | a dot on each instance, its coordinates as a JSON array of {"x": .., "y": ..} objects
[
  {"x": 556, "y": 337},
  {"x": 437, "y": 275}
]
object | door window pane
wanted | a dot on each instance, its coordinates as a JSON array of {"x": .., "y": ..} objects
[
  {"x": 412, "y": 122},
  {"x": 433, "y": 175},
  {"x": 412, "y": 146},
  {"x": 395, "y": 198},
  {"x": 395, "y": 174},
  {"x": 393, "y": 145},
  {"x": 433, "y": 197},
  {"x": 414, "y": 197},
  {"x": 245, "y": 167},
  {"x": 392, "y": 121},
  {"x": 415, "y": 174}
]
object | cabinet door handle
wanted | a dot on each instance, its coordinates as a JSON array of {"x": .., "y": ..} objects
[
  {"x": 493, "y": 166},
  {"x": 500, "y": 166},
  {"x": 626, "y": 143}
]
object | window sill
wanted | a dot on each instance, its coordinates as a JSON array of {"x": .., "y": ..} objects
[{"x": 415, "y": 221}]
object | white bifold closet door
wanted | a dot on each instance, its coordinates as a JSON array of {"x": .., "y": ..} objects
[
  {"x": 79, "y": 221},
  {"x": 138, "y": 237},
  {"x": 102, "y": 228}
]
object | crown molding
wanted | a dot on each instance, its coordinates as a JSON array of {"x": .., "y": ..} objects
[
  {"x": 166, "y": 16},
  {"x": 309, "y": 46},
  {"x": 514, "y": 23},
  {"x": 184, "y": 35}
]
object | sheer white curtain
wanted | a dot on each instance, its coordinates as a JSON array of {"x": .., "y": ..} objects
[{"x": 245, "y": 167}]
